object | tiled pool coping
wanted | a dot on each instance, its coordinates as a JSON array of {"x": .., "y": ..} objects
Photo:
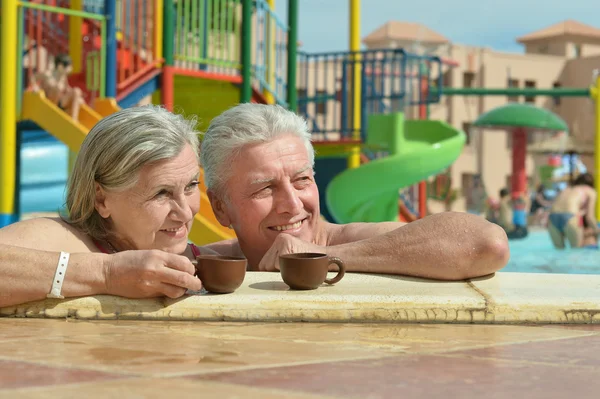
[{"x": 504, "y": 298}]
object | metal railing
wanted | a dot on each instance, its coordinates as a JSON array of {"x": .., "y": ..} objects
[
  {"x": 324, "y": 97},
  {"x": 43, "y": 34},
  {"x": 93, "y": 6},
  {"x": 270, "y": 53},
  {"x": 208, "y": 38},
  {"x": 391, "y": 80},
  {"x": 136, "y": 23},
  {"x": 207, "y": 35}
]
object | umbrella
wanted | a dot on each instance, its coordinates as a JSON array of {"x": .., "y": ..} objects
[{"x": 521, "y": 119}]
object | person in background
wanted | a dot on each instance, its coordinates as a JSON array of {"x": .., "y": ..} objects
[
  {"x": 55, "y": 85},
  {"x": 505, "y": 213},
  {"x": 574, "y": 205},
  {"x": 492, "y": 210},
  {"x": 590, "y": 236},
  {"x": 540, "y": 206}
]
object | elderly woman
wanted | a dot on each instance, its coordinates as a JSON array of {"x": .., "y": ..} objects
[{"x": 131, "y": 200}]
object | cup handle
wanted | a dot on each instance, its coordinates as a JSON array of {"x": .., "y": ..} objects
[
  {"x": 341, "y": 266},
  {"x": 195, "y": 263}
]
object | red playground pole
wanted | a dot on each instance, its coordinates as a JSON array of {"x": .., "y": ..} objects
[
  {"x": 423, "y": 115},
  {"x": 519, "y": 177}
]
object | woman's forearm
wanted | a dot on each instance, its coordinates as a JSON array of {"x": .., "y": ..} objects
[{"x": 27, "y": 274}]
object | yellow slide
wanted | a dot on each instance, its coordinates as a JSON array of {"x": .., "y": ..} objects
[{"x": 37, "y": 108}]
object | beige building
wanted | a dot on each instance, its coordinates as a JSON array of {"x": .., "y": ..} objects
[{"x": 562, "y": 55}]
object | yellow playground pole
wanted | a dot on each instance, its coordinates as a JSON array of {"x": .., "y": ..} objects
[
  {"x": 354, "y": 158},
  {"x": 8, "y": 121},
  {"x": 158, "y": 29},
  {"x": 271, "y": 56},
  {"x": 595, "y": 94},
  {"x": 75, "y": 36}
]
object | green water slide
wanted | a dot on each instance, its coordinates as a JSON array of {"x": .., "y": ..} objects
[{"x": 417, "y": 149}]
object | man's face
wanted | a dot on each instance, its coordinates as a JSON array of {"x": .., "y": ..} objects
[{"x": 272, "y": 190}]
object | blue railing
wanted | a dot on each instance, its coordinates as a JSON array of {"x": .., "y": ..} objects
[
  {"x": 94, "y": 6},
  {"x": 270, "y": 58},
  {"x": 390, "y": 81},
  {"x": 323, "y": 98}
]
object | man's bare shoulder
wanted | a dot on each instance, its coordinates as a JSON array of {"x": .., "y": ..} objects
[{"x": 47, "y": 234}]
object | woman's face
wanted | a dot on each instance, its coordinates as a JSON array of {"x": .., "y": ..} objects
[{"x": 158, "y": 211}]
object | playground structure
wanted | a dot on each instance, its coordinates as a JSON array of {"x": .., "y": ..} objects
[
  {"x": 203, "y": 56},
  {"x": 123, "y": 52}
]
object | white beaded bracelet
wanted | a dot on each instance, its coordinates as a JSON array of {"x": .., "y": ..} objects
[{"x": 59, "y": 276}]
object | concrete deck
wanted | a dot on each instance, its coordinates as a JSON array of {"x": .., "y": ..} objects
[{"x": 503, "y": 298}]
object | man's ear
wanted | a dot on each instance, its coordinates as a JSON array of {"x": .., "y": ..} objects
[
  {"x": 100, "y": 201},
  {"x": 219, "y": 208}
]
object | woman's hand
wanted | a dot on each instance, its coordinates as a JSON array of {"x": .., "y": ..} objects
[{"x": 149, "y": 273}]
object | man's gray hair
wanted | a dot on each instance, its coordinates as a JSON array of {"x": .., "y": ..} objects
[
  {"x": 242, "y": 125},
  {"x": 113, "y": 153}
]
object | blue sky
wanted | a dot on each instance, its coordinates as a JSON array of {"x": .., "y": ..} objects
[{"x": 323, "y": 24}]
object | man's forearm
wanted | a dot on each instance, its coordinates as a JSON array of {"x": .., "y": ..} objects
[
  {"x": 27, "y": 274},
  {"x": 447, "y": 246}
]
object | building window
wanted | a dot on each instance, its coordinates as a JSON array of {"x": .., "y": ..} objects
[
  {"x": 468, "y": 79},
  {"x": 320, "y": 102},
  {"x": 556, "y": 100},
  {"x": 543, "y": 49},
  {"x": 513, "y": 83},
  {"x": 532, "y": 137},
  {"x": 577, "y": 50},
  {"x": 467, "y": 183},
  {"x": 447, "y": 78},
  {"x": 530, "y": 84},
  {"x": 466, "y": 127},
  {"x": 301, "y": 95},
  {"x": 473, "y": 190}
]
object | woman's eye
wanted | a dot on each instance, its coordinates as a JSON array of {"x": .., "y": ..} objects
[
  {"x": 192, "y": 185},
  {"x": 161, "y": 193}
]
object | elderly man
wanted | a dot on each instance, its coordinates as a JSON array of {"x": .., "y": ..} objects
[{"x": 258, "y": 162}]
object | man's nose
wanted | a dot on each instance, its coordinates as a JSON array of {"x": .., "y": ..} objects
[{"x": 288, "y": 200}]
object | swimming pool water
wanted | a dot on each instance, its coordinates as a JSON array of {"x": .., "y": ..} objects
[{"x": 536, "y": 254}]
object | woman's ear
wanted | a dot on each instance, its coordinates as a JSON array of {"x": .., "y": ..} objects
[
  {"x": 100, "y": 201},
  {"x": 219, "y": 207}
]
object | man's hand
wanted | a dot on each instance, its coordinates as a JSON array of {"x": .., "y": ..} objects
[
  {"x": 285, "y": 244},
  {"x": 149, "y": 273}
]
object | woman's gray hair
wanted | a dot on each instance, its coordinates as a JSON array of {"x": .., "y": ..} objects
[
  {"x": 245, "y": 124},
  {"x": 113, "y": 153}
]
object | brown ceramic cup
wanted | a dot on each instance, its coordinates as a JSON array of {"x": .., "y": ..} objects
[
  {"x": 307, "y": 271},
  {"x": 220, "y": 274}
]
